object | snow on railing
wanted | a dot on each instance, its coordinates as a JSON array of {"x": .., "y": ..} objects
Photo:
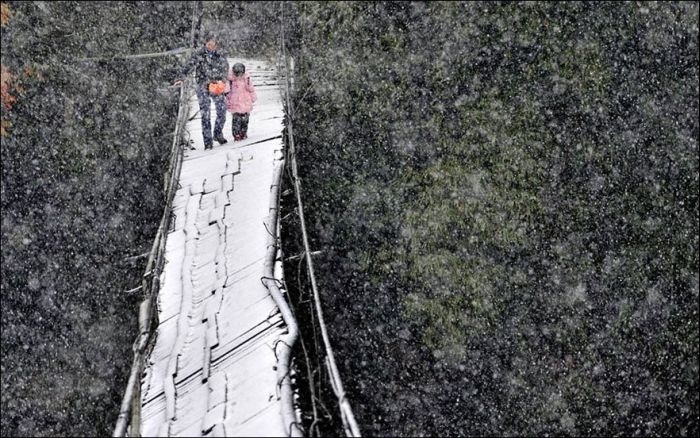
[
  {"x": 283, "y": 347},
  {"x": 347, "y": 416},
  {"x": 131, "y": 402},
  {"x": 130, "y": 409}
]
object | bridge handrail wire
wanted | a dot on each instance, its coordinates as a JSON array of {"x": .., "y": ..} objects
[
  {"x": 349, "y": 423},
  {"x": 285, "y": 343},
  {"x": 131, "y": 402}
]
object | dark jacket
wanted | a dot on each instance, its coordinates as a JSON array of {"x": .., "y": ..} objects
[{"x": 210, "y": 66}]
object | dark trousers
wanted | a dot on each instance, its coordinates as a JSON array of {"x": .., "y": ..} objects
[
  {"x": 204, "y": 97},
  {"x": 239, "y": 124}
]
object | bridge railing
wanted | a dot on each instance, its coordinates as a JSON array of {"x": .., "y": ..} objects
[
  {"x": 130, "y": 409},
  {"x": 286, "y": 66}
]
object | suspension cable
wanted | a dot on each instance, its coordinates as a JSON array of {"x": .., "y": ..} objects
[
  {"x": 130, "y": 409},
  {"x": 347, "y": 416}
]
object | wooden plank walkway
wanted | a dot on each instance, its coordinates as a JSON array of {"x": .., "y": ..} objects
[{"x": 212, "y": 371}]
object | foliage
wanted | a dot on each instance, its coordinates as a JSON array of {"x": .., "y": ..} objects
[
  {"x": 246, "y": 29},
  {"x": 82, "y": 190},
  {"x": 506, "y": 200},
  {"x": 5, "y": 14}
]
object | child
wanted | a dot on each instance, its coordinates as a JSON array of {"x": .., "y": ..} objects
[{"x": 240, "y": 100}]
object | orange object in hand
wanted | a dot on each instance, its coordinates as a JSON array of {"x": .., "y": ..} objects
[{"x": 217, "y": 88}]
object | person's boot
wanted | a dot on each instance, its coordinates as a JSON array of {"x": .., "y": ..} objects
[
  {"x": 220, "y": 138},
  {"x": 208, "y": 146}
]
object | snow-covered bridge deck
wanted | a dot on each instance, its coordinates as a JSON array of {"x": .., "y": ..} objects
[{"x": 212, "y": 370}]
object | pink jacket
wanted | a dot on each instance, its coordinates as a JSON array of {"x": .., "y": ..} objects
[{"x": 241, "y": 95}]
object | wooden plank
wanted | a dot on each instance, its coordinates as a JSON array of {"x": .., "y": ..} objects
[{"x": 218, "y": 323}]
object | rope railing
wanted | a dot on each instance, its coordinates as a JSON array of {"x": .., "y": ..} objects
[
  {"x": 283, "y": 347},
  {"x": 131, "y": 402},
  {"x": 349, "y": 424},
  {"x": 177, "y": 51},
  {"x": 130, "y": 409}
]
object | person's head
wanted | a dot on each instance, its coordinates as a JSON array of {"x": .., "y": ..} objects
[
  {"x": 238, "y": 69},
  {"x": 211, "y": 42}
]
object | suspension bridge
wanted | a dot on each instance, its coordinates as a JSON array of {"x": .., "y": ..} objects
[
  {"x": 213, "y": 356},
  {"x": 216, "y": 333}
]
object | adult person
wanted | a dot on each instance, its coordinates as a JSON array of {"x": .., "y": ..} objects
[{"x": 211, "y": 70}]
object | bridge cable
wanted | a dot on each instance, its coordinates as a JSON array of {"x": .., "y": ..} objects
[
  {"x": 347, "y": 416},
  {"x": 130, "y": 409}
]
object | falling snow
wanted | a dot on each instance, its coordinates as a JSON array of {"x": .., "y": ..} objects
[{"x": 502, "y": 201}]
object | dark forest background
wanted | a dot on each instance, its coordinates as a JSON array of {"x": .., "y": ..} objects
[
  {"x": 83, "y": 161},
  {"x": 504, "y": 197}
]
